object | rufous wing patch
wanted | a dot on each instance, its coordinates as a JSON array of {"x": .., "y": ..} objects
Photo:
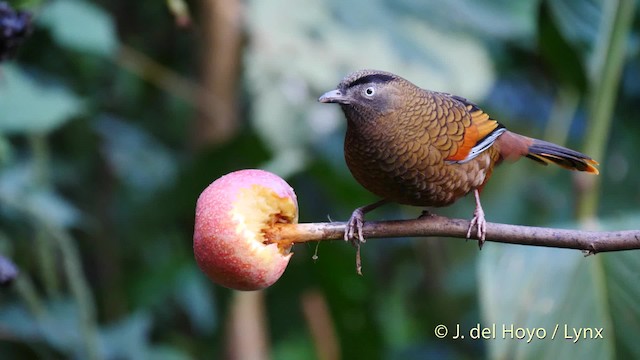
[{"x": 479, "y": 130}]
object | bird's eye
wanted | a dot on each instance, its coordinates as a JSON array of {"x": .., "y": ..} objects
[{"x": 369, "y": 91}]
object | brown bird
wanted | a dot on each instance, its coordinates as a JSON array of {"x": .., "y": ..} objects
[{"x": 424, "y": 148}]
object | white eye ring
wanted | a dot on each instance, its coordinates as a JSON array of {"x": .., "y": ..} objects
[{"x": 370, "y": 91}]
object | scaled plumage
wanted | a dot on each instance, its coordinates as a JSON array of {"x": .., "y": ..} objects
[{"x": 425, "y": 148}]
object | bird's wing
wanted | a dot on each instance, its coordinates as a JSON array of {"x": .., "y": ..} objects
[{"x": 479, "y": 130}]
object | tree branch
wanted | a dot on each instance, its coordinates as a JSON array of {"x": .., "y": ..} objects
[{"x": 590, "y": 241}]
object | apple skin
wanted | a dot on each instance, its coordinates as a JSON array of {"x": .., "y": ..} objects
[{"x": 231, "y": 215}]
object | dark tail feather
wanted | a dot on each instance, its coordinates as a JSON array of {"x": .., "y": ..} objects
[{"x": 546, "y": 152}]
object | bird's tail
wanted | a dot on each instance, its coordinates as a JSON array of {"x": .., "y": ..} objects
[
  {"x": 545, "y": 153},
  {"x": 514, "y": 145}
]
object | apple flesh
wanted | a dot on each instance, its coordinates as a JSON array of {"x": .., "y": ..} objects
[{"x": 232, "y": 216}]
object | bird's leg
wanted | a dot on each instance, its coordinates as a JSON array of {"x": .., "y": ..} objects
[
  {"x": 353, "y": 230},
  {"x": 478, "y": 221}
]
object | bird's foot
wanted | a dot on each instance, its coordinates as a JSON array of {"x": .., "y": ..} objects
[
  {"x": 353, "y": 230},
  {"x": 353, "y": 234},
  {"x": 481, "y": 226},
  {"x": 426, "y": 214}
]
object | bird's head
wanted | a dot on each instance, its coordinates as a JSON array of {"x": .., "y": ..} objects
[{"x": 367, "y": 94}]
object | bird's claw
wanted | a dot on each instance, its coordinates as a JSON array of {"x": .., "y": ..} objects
[
  {"x": 481, "y": 226},
  {"x": 353, "y": 230},
  {"x": 353, "y": 234}
]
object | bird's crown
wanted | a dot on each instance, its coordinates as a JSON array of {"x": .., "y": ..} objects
[{"x": 366, "y": 76}]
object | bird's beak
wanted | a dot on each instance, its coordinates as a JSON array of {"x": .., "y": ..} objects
[{"x": 334, "y": 96}]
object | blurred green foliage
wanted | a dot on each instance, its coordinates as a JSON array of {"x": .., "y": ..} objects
[{"x": 99, "y": 174}]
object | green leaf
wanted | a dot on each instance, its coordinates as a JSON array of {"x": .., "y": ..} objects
[
  {"x": 164, "y": 352},
  {"x": 128, "y": 338},
  {"x": 19, "y": 188},
  {"x": 295, "y": 347},
  {"x": 16, "y": 320},
  {"x": 193, "y": 292},
  {"x": 30, "y": 107},
  {"x": 498, "y": 19},
  {"x": 56, "y": 327},
  {"x": 6, "y": 151},
  {"x": 140, "y": 161},
  {"x": 579, "y": 23},
  {"x": 558, "y": 53},
  {"x": 561, "y": 290},
  {"x": 81, "y": 26}
]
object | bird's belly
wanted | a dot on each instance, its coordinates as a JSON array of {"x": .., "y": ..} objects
[{"x": 416, "y": 178}]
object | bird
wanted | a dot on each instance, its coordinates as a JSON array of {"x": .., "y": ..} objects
[{"x": 413, "y": 146}]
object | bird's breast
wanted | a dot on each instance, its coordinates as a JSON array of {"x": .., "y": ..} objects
[{"x": 405, "y": 166}]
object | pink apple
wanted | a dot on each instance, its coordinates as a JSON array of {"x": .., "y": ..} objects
[{"x": 232, "y": 214}]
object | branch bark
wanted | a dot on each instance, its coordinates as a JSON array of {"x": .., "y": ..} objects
[{"x": 591, "y": 242}]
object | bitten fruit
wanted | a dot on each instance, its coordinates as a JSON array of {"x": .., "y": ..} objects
[{"x": 233, "y": 216}]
